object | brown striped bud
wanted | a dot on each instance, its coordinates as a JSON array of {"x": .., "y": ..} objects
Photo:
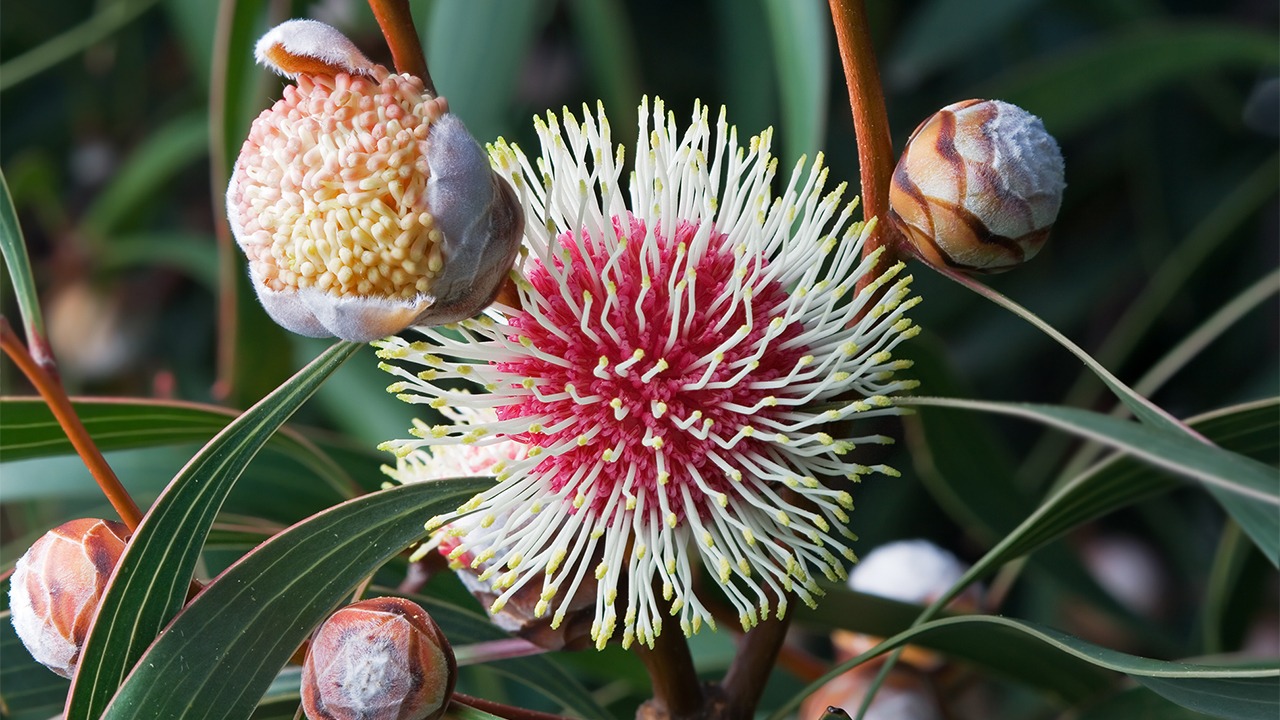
[
  {"x": 363, "y": 206},
  {"x": 978, "y": 186},
  {"x": 378, "y": 659},
  {"x": 57, "y": 585}
]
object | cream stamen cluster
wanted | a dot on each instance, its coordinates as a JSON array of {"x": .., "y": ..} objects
[
  {"x": 334, "y": 192},
  {"x": 685, "y": 351}
]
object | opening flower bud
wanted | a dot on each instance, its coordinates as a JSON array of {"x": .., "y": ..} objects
[
  {"x": 57, "y": 585},
  {"x": 378, "y": 659},
  {"x": 978, "y": 186},
  {"x": 363, "y": 206}
]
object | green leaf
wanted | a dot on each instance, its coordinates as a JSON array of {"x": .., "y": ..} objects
[
  {"x": 224, "y": 649},
  {"x": 1231, "y": 691},
  {"x": 746, "y": 77},
  {"x": 151, "y": 580},
  {"x": 28, "y": 690},
  {"x": 194, "y": 255},
  {"x": 1234, "y": 589},
  {"x": 13, "y": 248},
  {"x": 28, "y": 430},
  {"x": 1060, "y": 676},
  {"x": 801, "y": 44},
  {"x": 1139, "y": 703},
  {"x": 476, "y": 50},
  {"x": 1205, "y": 463},
  {"x": 1085, "y": 84},
  {"x": 1117, "y": 481},
  {"x": 539, "y": 672}
]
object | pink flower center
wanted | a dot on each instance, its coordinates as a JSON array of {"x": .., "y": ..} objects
[{"x": 648, "y": 415}]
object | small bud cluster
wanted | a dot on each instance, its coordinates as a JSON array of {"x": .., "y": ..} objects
[{"x": 57, "y": 585}]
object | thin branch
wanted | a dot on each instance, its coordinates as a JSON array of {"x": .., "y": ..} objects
[
  {"x": 676, "y": 688},
  {"x": 55, "y": 396},
  {"x": 228, "y": 265},
  {"x": 406, "y": 51},
  {"x": 870, "y": 124},
  {"x": 757, "y": 650}
]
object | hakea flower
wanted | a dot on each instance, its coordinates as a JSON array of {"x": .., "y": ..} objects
[
  {"x": 681, "y": 358},
  {"x": 362, "y": 204}
]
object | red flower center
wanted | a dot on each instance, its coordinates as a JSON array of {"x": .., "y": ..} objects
[{"x": 681, "y": 354}]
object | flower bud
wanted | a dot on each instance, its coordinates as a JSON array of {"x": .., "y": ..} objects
[
  {"x": 978, "y": 186},
  {"x": 363, "y": 206},
  {"x": 378, "y": 659},
  {"x": 57, "y": 585}
]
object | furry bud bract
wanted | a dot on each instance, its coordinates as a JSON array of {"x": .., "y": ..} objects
[{"x": 57, "y": 585}]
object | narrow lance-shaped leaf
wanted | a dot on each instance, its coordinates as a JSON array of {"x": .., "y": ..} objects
[
  {"x": 1171, "y": 451},
  {"x": 13, "y": 248},
  {"x": 1248, "y": 692},
  {"x": 151, "y": 580},
  {"x": 220, "y": 654}
]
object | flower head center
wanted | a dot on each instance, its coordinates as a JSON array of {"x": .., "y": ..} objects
[{"x": 666, "y": 361}]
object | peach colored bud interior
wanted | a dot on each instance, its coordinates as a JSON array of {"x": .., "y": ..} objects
[{"x": 331, "y": 188}]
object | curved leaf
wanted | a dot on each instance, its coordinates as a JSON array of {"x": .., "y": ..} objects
[
  {"x": 149, "y": 168},
  {"x": 1247, "y": 692},
  {"x": 222, "y": 652},
  {"x": 29, "y": 430},
  {"x": 151, "y": 580},
  {"x": 1174, "y": 452},
  {"x": 13, "y": 248}
]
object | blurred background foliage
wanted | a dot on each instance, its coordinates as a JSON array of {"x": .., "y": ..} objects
[{"x": 119, "y": 119}]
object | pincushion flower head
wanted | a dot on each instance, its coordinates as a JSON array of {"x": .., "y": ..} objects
[
  {"x": 687, "y": 353},
  {"x": 362, "y": 204}
]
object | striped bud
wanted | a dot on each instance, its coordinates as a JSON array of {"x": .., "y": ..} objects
[
  {"x": 362, "y": 205},
  {"x": 977, "y": 187},
  {"x": 57, "y": 585},
  {"x": 378, "y": 659}
]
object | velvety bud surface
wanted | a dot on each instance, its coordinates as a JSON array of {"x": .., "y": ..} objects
[
  {"x": 378, "y": 659},
  {"x": 978, "y": 186},
  {"x": 57, "y": 585}
]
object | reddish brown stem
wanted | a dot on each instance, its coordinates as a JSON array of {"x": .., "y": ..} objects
[
  {"x": 228, "y": 265},
  {"x": 501, "y": 710},
  {"x": 676, "y": 689},
  {"x": 406, "y": 51},
  {"x": 60, "y": 405},
  {"x": 870, "y": 123},
  {"x": 757, "y": 650}
]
